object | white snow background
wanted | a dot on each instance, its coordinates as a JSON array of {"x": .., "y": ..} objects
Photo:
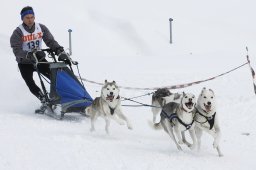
[{"x": 128, "y": 41}]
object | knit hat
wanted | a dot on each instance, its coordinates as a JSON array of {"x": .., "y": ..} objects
[{"x": 25, "y": 11}]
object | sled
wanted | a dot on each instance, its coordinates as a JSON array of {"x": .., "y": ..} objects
[{"x": 67, "y": 94}]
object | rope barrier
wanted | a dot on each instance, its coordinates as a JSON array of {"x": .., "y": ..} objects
[
  {"x": 176, "y": 86},
  {"x": 252, "y": 71}
]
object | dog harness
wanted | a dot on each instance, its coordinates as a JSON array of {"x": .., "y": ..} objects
[
  {"x": 173, "y": 116},
  {"x": 112, "y": 110},
  {"x": 210, "y": 119}
]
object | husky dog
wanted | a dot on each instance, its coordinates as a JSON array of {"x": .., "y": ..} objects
[
  {"x": 108, "y": 105},
  {"x": 161, "y": 97},
  {"x": 179, "y": 118},
  {"x": 206, "y": 118}
]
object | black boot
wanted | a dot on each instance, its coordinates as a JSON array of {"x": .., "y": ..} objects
[
  {"x": 43, "y": 107},
  {"x": 41, "y": 97}
]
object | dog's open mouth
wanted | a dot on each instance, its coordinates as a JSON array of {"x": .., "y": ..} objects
[
  {"x": 110, "y": 97},
  {"x": 189, "y": 105},
  {"x": 207, "y": 107}
]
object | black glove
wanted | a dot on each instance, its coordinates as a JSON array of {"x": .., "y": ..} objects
[
  {"x": 64, "y": 57},
  {"x": 40, "y": 55},
  {"x": 59, "y": 50}
]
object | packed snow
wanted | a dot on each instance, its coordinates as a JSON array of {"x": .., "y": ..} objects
[{"x": 128, "y": 41}]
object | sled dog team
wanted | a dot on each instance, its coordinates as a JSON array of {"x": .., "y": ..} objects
[{"x": 178, "y": 113}]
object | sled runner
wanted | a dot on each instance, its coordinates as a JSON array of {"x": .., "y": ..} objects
[{"x": 67, "y": 93}]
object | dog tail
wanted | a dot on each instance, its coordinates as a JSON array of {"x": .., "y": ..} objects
[{"x": 156, "y": 126}]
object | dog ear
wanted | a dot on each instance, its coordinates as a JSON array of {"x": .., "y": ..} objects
[
  {"x": 163, "y": 101},
  {"x": 114, "y": 82},
  {"x": 106, "y": 81},
  {"x": 203, "y": 91},
  {"x": 212, "y": 92},
  {"x": 176, "y": 96},
  {"x": 183, "y": 93}
]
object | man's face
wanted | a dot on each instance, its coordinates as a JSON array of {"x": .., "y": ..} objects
[{"x": 29, "y": 20}]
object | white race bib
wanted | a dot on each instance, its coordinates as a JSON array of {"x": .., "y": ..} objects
[{"x": 32, "y": 40}]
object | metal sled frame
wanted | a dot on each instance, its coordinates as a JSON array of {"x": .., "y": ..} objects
[{"x": 51, "y": 103}]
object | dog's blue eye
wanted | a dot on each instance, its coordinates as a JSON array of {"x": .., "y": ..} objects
[
  {"x": 212, "y": 97},
  {"x": 113, "y": 88},
  {"x": 205, "y": 97},
  {"x": 107, "y": 88},
  {"x": 186, "y": 97}
]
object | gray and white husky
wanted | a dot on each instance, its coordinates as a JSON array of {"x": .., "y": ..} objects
[
  {"x": 108, "y": 106},
  {"x": 179, "y": 117},
  {"x": 161, "y": 97},
  {"x": 206, "y": 118}
]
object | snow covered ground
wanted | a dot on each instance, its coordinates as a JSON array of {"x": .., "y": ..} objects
[{"x": 128, "y": 41}]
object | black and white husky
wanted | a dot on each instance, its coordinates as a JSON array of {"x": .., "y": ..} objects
[
  {"x": 108, "y": 106},
  {"x": 206, "y": 118},
  {"x": 161, "y": 97},
  {"x": 178, "y": 118}
]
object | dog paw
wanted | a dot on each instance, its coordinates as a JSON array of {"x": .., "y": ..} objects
[
  {"x": 215, "y": 135},
  {"x": 179, "y": 147},
  {"x": 198, "y": 150},
  {"x": 215, "y": 145},
  {"x": 188, "y": 144},
  {"x": 121, "y": 123},
  {"x": 192, "y": 147},
  {"x": 130, "y": 127},
  {"x": 107, "y": 132},
  {"x": 181, "y": 142},
  {"x": 221, "y": 155}
]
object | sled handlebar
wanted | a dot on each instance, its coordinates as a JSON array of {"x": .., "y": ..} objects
[
  {"x": 51, "y": 52},
  {"x": 47, "y": 49}
]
